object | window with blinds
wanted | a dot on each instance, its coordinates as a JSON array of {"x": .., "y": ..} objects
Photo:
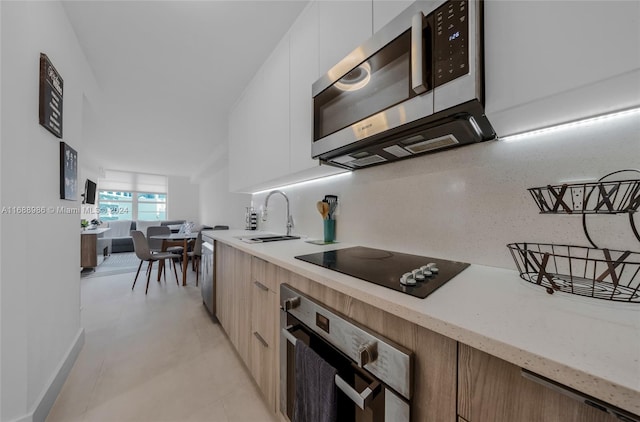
[{"x": 132, "y": 196}]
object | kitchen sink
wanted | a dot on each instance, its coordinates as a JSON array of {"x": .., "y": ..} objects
[
  {"x": 267, "y": 238},
  {"x": 274, "y": 238}
]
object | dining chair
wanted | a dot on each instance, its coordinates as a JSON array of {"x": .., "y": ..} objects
[
  {"x": 195, "y": 256},
  {"x": 141, "y": 248},
  {"x": 155, "y": 245}
]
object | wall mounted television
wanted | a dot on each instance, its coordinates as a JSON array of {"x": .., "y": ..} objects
[{"x": 89, "y": 192}]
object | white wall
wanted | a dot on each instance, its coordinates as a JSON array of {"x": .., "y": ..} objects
[
  {"x": 184, "y": 200},
  {"x": 88, "y": 169},
  {"x": 40, "y": 272},
  {"x": 217, "y": 205},
  {"x": 466, "y": 204}
]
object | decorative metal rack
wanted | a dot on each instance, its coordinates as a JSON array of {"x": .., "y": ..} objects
[
  {"x": 599, "y": 273},
  {"x": 588, "y": 198}
]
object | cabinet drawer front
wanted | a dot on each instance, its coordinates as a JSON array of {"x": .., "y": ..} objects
[
  {"x": 264, "y": 309},
  {"x": 264, "y": 274},
  {"x": 263, "y": 369},
  {"x": 491, "y": 389}
]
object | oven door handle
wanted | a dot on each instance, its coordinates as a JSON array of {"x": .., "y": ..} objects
[{"x": 361, "y": 399}]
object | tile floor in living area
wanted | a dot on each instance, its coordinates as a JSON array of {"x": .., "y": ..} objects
[{"x": 154, "y": 358}]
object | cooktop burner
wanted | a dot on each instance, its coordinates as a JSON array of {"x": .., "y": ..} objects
[{"x": 416, "y": 275}]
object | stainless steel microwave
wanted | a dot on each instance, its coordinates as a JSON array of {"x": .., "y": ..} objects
[{"x": 416, "y": 86}]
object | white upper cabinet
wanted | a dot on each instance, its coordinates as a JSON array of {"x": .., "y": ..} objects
[
  {"x": 303, "y": 73},
  {"x": 385, "y": 10},
  {"x": 270, "y": 128},
  {"x": 241, "y": 163},
  {"x": 548, "y": 62},
  {"x": 343, "y": 26},
  {"x": 259, "y": 124},
  {"x": 272, "y": 143}
]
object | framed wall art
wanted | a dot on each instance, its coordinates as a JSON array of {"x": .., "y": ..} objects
[
  {"x": 68, "y": 172},
  {"x": 51, "y": 90}
]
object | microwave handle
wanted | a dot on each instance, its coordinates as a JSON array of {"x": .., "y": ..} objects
[{"x": 417, "y": 54}]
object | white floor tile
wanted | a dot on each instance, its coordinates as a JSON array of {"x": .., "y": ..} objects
[{"x": 157, "y": 357}]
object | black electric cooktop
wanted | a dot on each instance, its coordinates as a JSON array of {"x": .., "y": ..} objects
[{"x": 385, "y": 267}]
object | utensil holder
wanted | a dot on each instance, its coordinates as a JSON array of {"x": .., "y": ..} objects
[
  {"x": 250, "y": 219},
  {"x": 329, "y": 230}
]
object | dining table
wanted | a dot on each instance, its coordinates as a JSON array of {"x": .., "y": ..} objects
[{"x": 178, "y": 239}]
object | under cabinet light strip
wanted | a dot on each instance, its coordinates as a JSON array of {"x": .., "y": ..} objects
[
  {"x": 575, "y": 123},
  {"x": 306, "y": 182},
  {"x": 508, "y": 138}
]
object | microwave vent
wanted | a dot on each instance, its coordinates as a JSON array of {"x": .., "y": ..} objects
[
  {"x": 367, "y": 161},
  {"x": 362, "y": 162},
  {"x": 435, "y": 143},
  {"x": 397, "y": 150},
  {"x": 343, "y": 159}
]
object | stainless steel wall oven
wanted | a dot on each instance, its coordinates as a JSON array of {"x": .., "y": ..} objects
[{"x": 374, "y": 378}]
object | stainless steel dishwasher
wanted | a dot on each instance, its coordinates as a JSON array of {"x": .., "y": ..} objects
[
  {"x": 207, "y": 274},
  {"x": 374, "y": 380}
]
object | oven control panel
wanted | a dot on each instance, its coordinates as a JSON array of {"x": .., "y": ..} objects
[{"x": 322, "y": 322}]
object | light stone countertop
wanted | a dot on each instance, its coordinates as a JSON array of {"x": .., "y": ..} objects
[{"x": 588, "y": 344}]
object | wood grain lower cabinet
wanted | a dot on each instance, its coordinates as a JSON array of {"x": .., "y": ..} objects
[
  {"x": 264, "y": 323},
  {"x": 247, "y": 308},
  {"x": 493, "y": 390},
  {"x": 224, "y": 285},
  {"x": 241, "y": 312},
  {"x": 233, "y": 301},
  {"x": 452, "y": 381}
]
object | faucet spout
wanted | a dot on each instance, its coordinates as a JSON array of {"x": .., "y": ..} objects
[{"x": 266, "y": 204}]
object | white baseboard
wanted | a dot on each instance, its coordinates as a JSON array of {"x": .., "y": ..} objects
[{"x": 44, "y": 403}]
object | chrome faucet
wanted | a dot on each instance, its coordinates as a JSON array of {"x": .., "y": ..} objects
[{"x": 266, "y": 204}]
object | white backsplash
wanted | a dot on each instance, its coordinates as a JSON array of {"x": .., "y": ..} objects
[{"x": 467, "y": 203}]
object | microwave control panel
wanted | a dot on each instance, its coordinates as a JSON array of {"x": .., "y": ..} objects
[{"x": 451, "y": 41}]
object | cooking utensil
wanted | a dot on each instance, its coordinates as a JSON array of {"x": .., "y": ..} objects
[
  {"x": 332, "y": 209},
  {"x": 332, "y": 200},
  {"x": 323, "y": 209}
]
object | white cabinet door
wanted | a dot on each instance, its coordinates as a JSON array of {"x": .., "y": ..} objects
[
  {"x": 548, "y": 62},
  {"x": 271, "y": 142},
  {"x": 259, "y": 125},
  {"x": 385, "y": 10},
  {"x": 343, "y": 25},
  {"x": 239, "y": 143},
  {"x": 303, "y": 73},
  {"x": 270, "y": 128}
]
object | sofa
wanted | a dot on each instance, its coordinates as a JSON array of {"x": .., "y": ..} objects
[{"x": 120, "y": 233}]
